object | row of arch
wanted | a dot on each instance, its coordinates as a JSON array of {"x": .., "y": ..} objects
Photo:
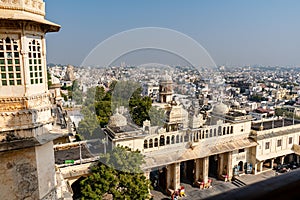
[{"x": 188, "y": 137}]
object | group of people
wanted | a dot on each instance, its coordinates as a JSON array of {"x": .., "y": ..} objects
[{"x": 178, "y": 193}]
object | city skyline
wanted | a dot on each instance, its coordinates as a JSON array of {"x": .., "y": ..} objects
[{"x": 233, "y": 32}]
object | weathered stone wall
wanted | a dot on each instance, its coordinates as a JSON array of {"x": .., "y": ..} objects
[
  {"x": 51, "y": 195},
  {"x": 28, "y": 173},
  {"x": 18, "y": 175}
]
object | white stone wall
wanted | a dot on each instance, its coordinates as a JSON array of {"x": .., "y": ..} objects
[
  {"x": 134, "y": 144},
  {"x": 237, "y": 157},
  {"x": 273, "y": 147},
  {"x": 45, "y": 168}
]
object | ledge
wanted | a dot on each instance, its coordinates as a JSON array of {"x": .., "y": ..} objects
[{"x": 27, "y": 142}]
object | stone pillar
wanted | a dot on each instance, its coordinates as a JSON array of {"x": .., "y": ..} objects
[
  {"x": 298, "y": 159},
  {"x": 173, "y": 176},
  {"x": 176, "y": 175},
  {"x": 272, "y": 163},
  {"x": 255, "y": 169},
  {"x": 282, "y": 160},
  {"x": 205, "y": 164},
  {"x": 261, "y": 165},
  {"x": 169, "y": 178},
  {"x": 229, "y": 166},
  {"x": 147, "y": 174},
  {"x": 221, "y": 170},
  {"x": 198, "y": 169}
]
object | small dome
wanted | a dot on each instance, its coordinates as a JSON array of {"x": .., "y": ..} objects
[
  {"x": 117, "y": 120},
  {"x": 220, "y": 108}
]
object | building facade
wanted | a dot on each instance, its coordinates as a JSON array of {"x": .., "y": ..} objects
[
  {"x": 196, "y": 144},
  {"x": 26, "y": 148},
  {"x": 278, "y": 143},
  {"x": 192, "y": 151}
]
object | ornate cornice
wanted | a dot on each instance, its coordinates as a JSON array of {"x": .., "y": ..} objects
[
  {"x": 20, "y": 25},
  {"x": 31, "y": 6}
]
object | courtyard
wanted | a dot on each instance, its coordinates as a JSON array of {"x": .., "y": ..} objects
[{"x": 218, "y": 186}]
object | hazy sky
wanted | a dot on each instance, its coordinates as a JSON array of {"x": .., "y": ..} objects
[{"x": 236, "y": 32}]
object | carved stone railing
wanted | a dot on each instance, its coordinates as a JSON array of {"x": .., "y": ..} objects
[
  {"x": 32, "y": 6},
  {"x": 11, "y": 104}
]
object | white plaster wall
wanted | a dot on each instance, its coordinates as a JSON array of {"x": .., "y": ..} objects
[
  {"x": 261, "y": 148},
  {"x": 136, "y": 144}
]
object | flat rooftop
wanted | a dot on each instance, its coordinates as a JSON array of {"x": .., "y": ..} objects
[
  {"x": 277, "y": 124},
  {"x": 122, "y": 129}
]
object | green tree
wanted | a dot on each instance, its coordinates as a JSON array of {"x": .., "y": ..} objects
[
  {"x": 103, "y": 103},
  {"x": 119, "y": 174},
  {"x": 49, "y": 79},
  {"x": 122, "y": 92},
  {"x": 139, "y": 107},
  {"x": 88, "y": 125},
  {"x": 103, "y": 111},
  {"x": 157, "y": 116},
  {"x": 75, "y": 93}
]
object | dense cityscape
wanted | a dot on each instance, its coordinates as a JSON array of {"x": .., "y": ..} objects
[{"x": 148, "y": 131}]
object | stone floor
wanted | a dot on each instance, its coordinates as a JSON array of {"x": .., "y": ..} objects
[
  {"x": 218, "y": 187},
  {"x": 250, "y": 178}
]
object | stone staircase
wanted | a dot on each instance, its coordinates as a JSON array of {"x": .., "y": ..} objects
[{"x": 238, "y": 183}]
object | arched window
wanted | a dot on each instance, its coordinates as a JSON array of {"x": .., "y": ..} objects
[
  {"x": 181, "y": 138},
  {"x": 228, "y": 129},
  {"x": 155, "y": 142},
  {"x": 172, "y": 139},
  {"x": 168, "y": 140},
  {"x": 177, "y": 139},
  {"x": 231, "y": 129},
  {"x": 210, "y": 133},
  {"x": 150, "y": 143},
  {"x": 197, "y": 136},
  {"x": 145, "y": 144},
  {"x": 220, "y": 130},
  {"x": 186, "y": 137},
  {"x": 10, "y": 68},
  {"x": 224, "y": 130},
  {"x": 162, "y": 141},
  {"x": 215, "y": 132}
]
